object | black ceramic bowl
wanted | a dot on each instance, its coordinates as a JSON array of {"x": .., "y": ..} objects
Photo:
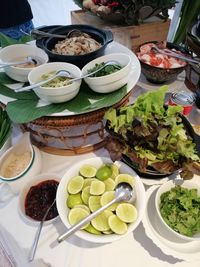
[
  {"x": 160, "y": 75},
  {"x": 104, "y": 37}
]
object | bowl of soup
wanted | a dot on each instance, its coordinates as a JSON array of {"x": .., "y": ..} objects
[
  {"x": 59, "y": 89},
  {"x": 21, "y": 52}
]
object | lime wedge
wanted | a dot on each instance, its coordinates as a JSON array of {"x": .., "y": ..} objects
[
  {"x": 107, "y": 197},
  {"x": 104, "y": 172},
  {"x": 85, "y": 194},
  {"x": 101, "y": 221},
  {"x": 110, "y": 184},
  {"x": 126, "y": 212},
  {"x": 88, "y": 181},
  {"x": 108, "y": 232},
  {"x": 88, "y": 171},
  {"x": 73, "y": 200},
  {"x": 82, "y": 206},
  {"x": 97, "y": 188},
  {"x": 94, "y": 203},
  {"x": 125, "y": 178},
  {"x": 90, "y": 229},
  {"x": 115, "y": 171},
  {"x": 116, "y": 225},
  {"x": 76, "y": 215},
  {"x": 75, "y": 185}
]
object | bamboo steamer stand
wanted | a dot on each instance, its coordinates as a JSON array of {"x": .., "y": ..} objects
[{"x": 70, "y": 135}]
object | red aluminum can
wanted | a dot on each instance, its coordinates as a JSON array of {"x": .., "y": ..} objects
[{"x": 184, "y": 99}]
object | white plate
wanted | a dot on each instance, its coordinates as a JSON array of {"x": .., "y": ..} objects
[
  {"x": 114, "y": 47},
  {"x": 169, "y": 243}
]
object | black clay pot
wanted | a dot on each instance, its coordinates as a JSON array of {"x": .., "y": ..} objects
[{"x": 104, "y": 37}]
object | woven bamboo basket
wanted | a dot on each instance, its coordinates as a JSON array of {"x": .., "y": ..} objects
[{"x": 70, "y": 135}]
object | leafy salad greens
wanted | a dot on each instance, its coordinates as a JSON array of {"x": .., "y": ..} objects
[
  {"x": 180, "y": 209},
  {"x": 151, "y": 134}
]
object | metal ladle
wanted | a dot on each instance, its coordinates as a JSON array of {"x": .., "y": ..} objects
[
  {"x": 29, "y": 59},
  {"x": 41, "y": 34},
  {"x": 65, "y": 73},
  {"x": 175, "y": 55},
  {"x": 123, "y": 192}
]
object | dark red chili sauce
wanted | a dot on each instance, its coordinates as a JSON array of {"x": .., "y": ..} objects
[{"x": 39, "y": 198}]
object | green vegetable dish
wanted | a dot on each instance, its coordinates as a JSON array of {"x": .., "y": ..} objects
[
  {"x": 152, "y": 135},
  {"x": 105, "y": 71},
  {"x": 57, "y": 82},
  {"x": 180, "y": 209},
  {"x": 5, "y": 127}
]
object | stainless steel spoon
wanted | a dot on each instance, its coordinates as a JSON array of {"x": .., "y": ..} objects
[
  {"x": 176, "y": 55},
  {"x": 60, "y": 73},
  {"x": 40, "y": 34},
  {"x": 64, "y": 73},
  {"x": 37, "y": 236},
  {"x": 27, "y": 60},
  {"x": 123, "y": 192}
]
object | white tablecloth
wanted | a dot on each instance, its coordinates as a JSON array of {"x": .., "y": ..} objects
[{"x": 136, "y": 249}]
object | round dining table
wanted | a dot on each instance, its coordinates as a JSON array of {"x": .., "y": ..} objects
[{"x": 146, "y": 246}]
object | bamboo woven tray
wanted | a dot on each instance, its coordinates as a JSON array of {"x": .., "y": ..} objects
[{"x": 70, "y": 135}]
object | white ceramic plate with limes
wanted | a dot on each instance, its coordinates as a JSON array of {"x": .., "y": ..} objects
[{"x": 86, "y": 186}]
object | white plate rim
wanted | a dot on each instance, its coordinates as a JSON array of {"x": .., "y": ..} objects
[
  {"x": 113, "y": 47},
  {"x": 160, "y": 242}
]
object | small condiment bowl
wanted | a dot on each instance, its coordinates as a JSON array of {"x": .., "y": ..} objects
[
  {"x": 110, "y": 82},
  {"x": 32, "y": 167},
  {"x": 167, "y": 187},
  {"x": 57, "y": 94},
  {"x": 19, "y": 52},
  {"x": 22, "y": 197}
]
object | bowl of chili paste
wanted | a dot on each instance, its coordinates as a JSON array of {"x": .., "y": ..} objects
[{"x": 37, "y": 196}]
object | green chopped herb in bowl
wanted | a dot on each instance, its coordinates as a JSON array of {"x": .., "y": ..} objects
[
  {"x": 105, "y": 71},
  {"x": 178, "y": 207}
]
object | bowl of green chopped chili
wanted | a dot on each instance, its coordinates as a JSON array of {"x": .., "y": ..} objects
[
  {"x": 108, "y": 77},
  {"x": 178, "y": 207}
]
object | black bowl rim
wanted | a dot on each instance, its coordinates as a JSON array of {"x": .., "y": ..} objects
[
  {"x": 44, "y": 41},
  {"x": 159, "y": 68}
]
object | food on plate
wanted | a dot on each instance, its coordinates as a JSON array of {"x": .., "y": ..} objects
[
  {"x": 15, "y": 164},
  {"x": 55, "y": 83},
  {"x": 156, "y": 59},
  {"x": 109, "y": 69},
  {"x": 39, "y": 198},
  {"x": 180, "y": 209},
  {"x": 75, "y": 46},
  {"x": 93, "y": 188},
  {"x": 152, "y": 135}
]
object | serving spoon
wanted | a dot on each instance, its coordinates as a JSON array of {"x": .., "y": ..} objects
[
  {"x": 176, "y": 55},
  {"x": 65, "y": 73},
  {"x": 38, "y": 33},
  {"x": 37, "y": 236},
  {"x": 29, "y": 59},
  {"x": 123, "y": 192}
]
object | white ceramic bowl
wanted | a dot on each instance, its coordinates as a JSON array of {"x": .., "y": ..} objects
[
  {"x": 166, "y": 187},
  {"x": 59, "y": 94},
  {"x": 62, "y": 194},
  {"x": 32, "y": 182},
  {"x": 110, "y": 82},
  {"x": 14, "y": 53}
]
